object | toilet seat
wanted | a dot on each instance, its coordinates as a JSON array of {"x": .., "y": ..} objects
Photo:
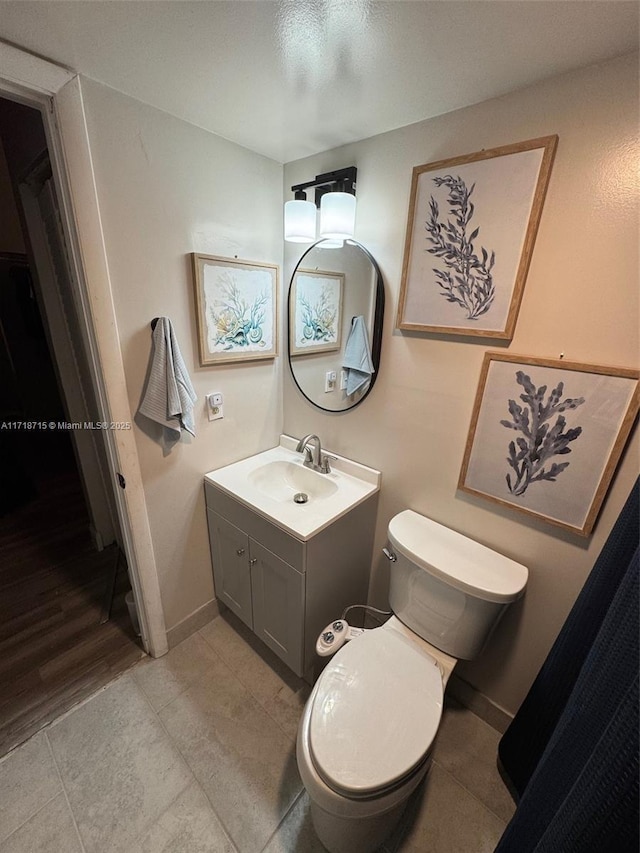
[{"x": 376, "y": 710}]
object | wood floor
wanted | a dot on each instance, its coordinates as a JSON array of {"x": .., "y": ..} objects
[{"x": 53, "y": 650}]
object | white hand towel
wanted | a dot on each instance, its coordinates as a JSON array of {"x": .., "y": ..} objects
[
  {"x": 168, "y": 398},
  {"x": 357, "y": 359}
]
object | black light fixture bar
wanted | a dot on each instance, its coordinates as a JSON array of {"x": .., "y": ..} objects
[{"x": 341, "y": 180}]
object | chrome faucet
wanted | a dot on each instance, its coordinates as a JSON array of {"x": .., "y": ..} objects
[{"x": 314, "y": 458}]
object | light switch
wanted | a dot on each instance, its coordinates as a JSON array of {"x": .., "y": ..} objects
[{"x": 329, "y": 381}]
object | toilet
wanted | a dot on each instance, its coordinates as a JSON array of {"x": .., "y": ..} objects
[{"x": 367, "y": 731}]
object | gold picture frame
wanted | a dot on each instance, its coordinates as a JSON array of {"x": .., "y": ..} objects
[
  {"x": 546, "y": 436},
  {"x": 236, "y": 309},
  {"x": 471, "y": 229}
]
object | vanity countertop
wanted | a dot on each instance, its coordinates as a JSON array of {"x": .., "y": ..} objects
[{"x": 268, "y": 481}]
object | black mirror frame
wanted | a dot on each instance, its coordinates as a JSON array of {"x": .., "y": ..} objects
[{"x": 376, "y": 338}]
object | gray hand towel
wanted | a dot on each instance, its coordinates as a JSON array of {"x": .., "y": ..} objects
[
  {"x": 357, "y": 359},
  {"x": 169, "y": 397}
]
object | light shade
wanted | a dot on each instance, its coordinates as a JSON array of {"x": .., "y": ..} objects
[
  {"x": 299, "y": 221},
  {"x": 337, "y": 215}
]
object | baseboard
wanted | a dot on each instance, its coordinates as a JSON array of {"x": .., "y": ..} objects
[
  {"x": 193, "y": 622},
  {"x": 481, "y": 705}
]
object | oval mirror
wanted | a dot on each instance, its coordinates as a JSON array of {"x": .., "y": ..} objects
[{"x": 336, "y": 307}]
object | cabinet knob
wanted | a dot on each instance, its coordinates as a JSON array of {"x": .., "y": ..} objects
[
  {"x": 240, "y": 552},
  {"x": 253, "y": 562}
]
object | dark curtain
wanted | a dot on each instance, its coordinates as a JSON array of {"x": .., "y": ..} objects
[{"x": 571, "y": 751}]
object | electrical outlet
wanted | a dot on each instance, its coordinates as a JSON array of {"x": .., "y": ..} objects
[
  {"x": 214, "y": 406},
  {"x": 343, "y": 380},
  {"x": 329, "y": 381}
]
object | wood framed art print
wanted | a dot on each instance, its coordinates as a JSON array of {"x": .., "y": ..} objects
[
  {"x": 471, "y": 229},
  {"x": 315, "y": 308},
  {"x": 546, "y": 436},
  {"x": 236, "y": 304}
]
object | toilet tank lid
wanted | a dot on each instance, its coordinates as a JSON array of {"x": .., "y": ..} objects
[{"x": 457, "y": 560}]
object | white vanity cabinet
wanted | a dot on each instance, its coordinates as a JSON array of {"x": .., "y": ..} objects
[{"x": 284, "y": 588}]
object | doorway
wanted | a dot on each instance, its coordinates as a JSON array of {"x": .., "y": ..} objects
[{"x": 64, "y": 626}]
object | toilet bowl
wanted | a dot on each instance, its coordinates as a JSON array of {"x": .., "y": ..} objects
[
  {"x": 366, "y": 734},
  {"x": 367, "y": 731}
]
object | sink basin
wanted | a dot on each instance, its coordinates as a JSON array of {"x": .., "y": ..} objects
[
  {"x": 281, "y": 480},
  {"x": 268, "y": 482}
]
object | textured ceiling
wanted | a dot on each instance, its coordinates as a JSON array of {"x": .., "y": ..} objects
[{"x": 294, "y": 77}]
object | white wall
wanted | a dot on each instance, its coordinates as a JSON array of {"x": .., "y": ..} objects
[
  {"x": 167, "y": 188},
  {"x": 581, "y": 298}
]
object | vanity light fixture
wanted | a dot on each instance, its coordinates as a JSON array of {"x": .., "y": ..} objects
[
  {"x": 300, "y": 219},
  {"x": 335, "y": 195}
]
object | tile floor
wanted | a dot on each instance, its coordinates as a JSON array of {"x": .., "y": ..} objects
[{"x": 195, "y": 753}]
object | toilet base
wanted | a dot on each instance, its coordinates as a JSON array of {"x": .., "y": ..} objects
[{"x": 354, "y": 835}]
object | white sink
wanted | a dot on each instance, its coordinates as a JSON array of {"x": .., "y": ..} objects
[
  {"x": 282, "y": 481},
  {"x": 269, "y": 481}
]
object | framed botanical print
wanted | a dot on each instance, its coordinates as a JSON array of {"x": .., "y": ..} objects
[
  {"x": 546, "y": 436},
  {"x": 471, "y": 229},
  {"x": 315, "y": 309},
  {"x": 236, "y": 309}
]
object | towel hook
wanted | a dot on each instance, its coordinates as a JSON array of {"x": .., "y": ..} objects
[{"x": 154, "y": 322}]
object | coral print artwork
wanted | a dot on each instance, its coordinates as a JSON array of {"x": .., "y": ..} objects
[
  {"x": 236, "y": 309},
  {"x": 315, "y": 311},
  {"x": 546, "y": 436},
  {"x": 471, "y": 229},
  {"x": 467, "y": 279},
  {"x": 539, "y": 441}
]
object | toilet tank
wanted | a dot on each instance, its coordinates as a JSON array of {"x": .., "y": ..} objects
[{"x": 446, "y": 587}]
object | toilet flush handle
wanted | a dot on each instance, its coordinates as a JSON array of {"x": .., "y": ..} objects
[{"x": 389, "y": 555}]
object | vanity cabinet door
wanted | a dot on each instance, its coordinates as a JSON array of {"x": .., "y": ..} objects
[
  {"x": 278, "y": 605},
  {"x": 231, "y": 571}
]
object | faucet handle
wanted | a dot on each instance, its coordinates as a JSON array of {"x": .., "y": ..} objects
[{"x": 324, "y": 462}]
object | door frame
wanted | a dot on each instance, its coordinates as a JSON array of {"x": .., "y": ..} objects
[{"x": 57, "y": 93}]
